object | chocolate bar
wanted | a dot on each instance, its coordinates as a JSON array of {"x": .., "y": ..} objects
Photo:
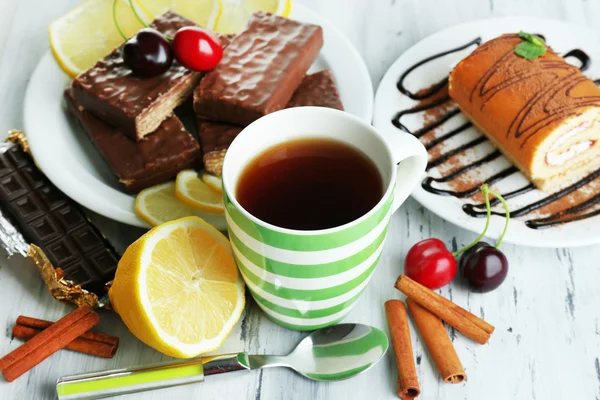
[
  {"x": 50, "y": 220},
  {"x": 138, "y": 165},
  {"x": 260, "y": 70},
  {"x": 136, "y": 106},
  {"x": 316, "y": 89}
]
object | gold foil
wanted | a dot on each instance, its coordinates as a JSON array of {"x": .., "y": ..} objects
[
  {"x": 60, "y": 288},
  {"x": 19, "y": 137}
]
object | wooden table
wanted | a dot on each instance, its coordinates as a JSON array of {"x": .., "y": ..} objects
[{"x": 547, "y": 313}]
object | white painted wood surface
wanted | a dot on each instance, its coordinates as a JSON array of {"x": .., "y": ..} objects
[{"x": 547, "y": 313}]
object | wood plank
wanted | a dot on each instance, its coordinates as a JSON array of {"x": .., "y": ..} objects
[{"x": 547, "y": 340}]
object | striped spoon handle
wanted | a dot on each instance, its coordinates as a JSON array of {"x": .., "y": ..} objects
[{"x": 97, "y": 385}]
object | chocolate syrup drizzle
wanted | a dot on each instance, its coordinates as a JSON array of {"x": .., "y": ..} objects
[{"x": 574, "y": 213}]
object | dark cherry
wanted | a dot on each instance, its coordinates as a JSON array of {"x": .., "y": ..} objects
[
  {"x": 462, "y": 259},
  {"x": 484, "y": 267},
  {"x": 148, "y": 53}
]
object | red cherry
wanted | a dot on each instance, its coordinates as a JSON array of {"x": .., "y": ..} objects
[
  {"x": 430, "y": 263},
  {"x": 197, "y": 49}
]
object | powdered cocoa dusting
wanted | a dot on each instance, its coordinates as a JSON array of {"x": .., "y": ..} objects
[
  {"x": 572, "y": 199},
  {"x": 432, "y": 115}
]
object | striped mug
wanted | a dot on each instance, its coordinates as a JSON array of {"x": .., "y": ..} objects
[{"x": 306, "y": 280}]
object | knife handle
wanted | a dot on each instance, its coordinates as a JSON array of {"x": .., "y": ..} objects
[{"x": 97, "y": 385}]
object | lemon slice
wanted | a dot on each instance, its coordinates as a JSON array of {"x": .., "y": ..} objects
[
  {"x": 87, "y": 33},
  {"x": 203, "y": 12},
  {"x": 177, "y": 288},
  {"x": 214, "y": 182},
  {"x": 236, "y": 13},
  {"x": 192, "y": 190},
  {"x": 159, "y": 204}
]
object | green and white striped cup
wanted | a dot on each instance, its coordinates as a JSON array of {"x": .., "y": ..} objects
[{"x": 306, "y": 280}]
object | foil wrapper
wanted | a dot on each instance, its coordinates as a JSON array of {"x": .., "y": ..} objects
[
  {"x": 18, "y": 137},
  {"x": 14, "y": 242},
  {"x": 11, "y": 239},
  {"x": 61, "y": 288}
]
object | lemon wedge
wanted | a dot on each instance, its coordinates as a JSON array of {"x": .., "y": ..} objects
[
  {"x": 177, "y": 288},
  {"x": 236, "y": 13},
  {"x": 194, "y": 192},
  {"x": 87, "y": 33},
  {"x": 203, "y": 12},
  {"x": 214, "y": 182},
  {"x": 159, "y": 204}
]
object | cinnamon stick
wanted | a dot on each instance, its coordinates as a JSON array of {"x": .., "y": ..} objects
[
  {"x": 80, "y": 345},
  {"x": 48, "y": 342},
  {"x": 40, "y": 324},
  {"x": 438, "y": 343},
  {"x": 468, "y": 324},
  {"x": 408, "y": 382}
]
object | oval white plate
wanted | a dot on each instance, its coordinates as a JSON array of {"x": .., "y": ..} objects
[
  {"x": 388, "y": 101},
  {"x": 64, "y": 153}
]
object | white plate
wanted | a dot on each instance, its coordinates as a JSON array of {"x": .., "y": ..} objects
[
  {"x": 64, "y": 153},
  {"x": 388, "y": 101}
]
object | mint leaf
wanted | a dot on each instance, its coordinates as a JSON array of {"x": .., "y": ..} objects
[
  {"x": 532, "y": 47},
  {"x": 529, "y": 50},
  {"x": 525, "y": 35},
  {"x": 532, "y": 39}
]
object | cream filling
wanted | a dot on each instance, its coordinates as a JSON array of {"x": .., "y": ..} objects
[{"x": 557, "y": 157}]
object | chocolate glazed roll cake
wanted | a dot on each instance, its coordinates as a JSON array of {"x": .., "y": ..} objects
[{"x": 543, "y": 113}]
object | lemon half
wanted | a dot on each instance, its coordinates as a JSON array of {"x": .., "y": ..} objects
[
  {"x": 87, "y": 33},
  {"x": 177, "y": 288},
  {"x": 236, "y": 13},
  {"x": 203, "y": 12}
]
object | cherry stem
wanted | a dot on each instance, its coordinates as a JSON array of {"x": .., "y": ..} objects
[
  {"x": 485, "y": 189},
  {"x": 486, "y": 195},
  {"x": 507, "y": 211},
  {"x": 114, "y": 15},
  {"x": 142, "y": 21},
  {"x": 136, "y": 14}
]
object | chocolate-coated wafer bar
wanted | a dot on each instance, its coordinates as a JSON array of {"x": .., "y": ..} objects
[
  {"x": 260, "y": 70},
  {"x": 316, "y": 89},
  {"x": 50, "y": 220},
  {"x": 138, "y": 165},
  {"x": 137, "y": 106},
  {"x": 215, "y": 138}
]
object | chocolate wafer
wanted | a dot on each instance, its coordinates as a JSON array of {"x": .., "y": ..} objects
[
  {"x": 136, "y": 106},
  {"x": 215, "y": 138},
  {"x": 316, "y": 89},
  {"x": 260, "y": 70},
  {"x": 138, "y": 165}
]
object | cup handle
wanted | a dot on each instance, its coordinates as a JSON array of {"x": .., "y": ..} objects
[{"x": 410, "y": 156}]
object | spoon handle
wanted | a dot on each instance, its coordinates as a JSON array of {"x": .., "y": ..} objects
[{"x": 97, "y": 385}]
